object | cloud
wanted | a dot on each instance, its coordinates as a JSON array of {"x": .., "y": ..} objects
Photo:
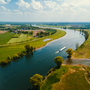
[
  {"x": 18, "y": 12},
  {"x": 5, "y": 8},
  {"x": 3, "y": 1},
  {"x": 23, "y": 4},
  {"x": 36, "y": 5},
  {"x": 33, "y": 5}
]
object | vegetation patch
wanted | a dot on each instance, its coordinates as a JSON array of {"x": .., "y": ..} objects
[
  {"x": 16, "y": 48},
  {"x": 21, "y": 38},
  {"x": 67, "y": 78},
  {"x": 4, "y": 38},
  {"x": 84, "y": 50}
]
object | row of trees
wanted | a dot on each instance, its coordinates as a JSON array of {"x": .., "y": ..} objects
[
  {"x": 43, "y": 34},
  {"x": 28, "y": 49},
  {"x": 37, "y": 80}
]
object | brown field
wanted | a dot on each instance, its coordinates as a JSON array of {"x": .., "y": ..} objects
[{"x": 2, "y": 32}]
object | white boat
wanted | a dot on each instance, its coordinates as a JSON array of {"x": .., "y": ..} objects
[
  {"x": 62, "y": 49},
  {"x": 57, "y": 52}
]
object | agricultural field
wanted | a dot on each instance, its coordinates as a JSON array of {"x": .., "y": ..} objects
[
  {"x": 16, "y": 36},
  {"x": 21, "y": 38},
  {"x": 68, "y": 78},
  {"x": 19, "y": 47},
  {"x": 4, "y": 38}
]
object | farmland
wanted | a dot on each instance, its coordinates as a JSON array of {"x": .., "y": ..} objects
[
  {"x": 21, "y": 38},
  {"x": 37, "y": 43},
  {"x": 4, "y": 38}
]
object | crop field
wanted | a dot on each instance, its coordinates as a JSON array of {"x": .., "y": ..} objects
[
  {"x": 21, "y": 38},
  {"x": 16, "y": 36},
  {"x": 4, "y": 38}
]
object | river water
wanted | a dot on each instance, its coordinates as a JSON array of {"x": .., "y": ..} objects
[{"x": 16, "y": 76}]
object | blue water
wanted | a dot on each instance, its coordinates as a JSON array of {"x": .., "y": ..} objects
[{"x": 16, "y": 76}]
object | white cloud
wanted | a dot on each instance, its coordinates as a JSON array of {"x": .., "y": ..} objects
[
  {"x": 17, "y": 12},
  {"x": 3, "y": 1},
  {"x": 5, "y": 8},
  {"x": 50, "y": 5},
  {"x": 23, "y": 4},
  {"x": 36, "y": 5}
]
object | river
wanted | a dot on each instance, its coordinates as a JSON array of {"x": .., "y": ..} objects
[{"x": 16, "y": 76}]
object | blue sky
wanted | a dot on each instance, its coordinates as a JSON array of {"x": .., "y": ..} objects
[{"x": 45, "y": 10}]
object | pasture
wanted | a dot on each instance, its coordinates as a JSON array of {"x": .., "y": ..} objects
[
  {"x": 4, "y": 38},
  {"x": 21, "y": 38}
]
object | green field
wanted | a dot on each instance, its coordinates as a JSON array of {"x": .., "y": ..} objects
[
  {"x": 16, "y": 48},
  {"x": 21, "y": 38},
  {"x": 67, "y": 78},
  {"x": 16, "y": 36},
  {"x": 4, "y": 38},
  {"x": 84, "y": 50}
]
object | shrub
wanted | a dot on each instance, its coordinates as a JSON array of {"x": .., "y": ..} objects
[
  {"x": 36, "y": 80},
  {"x": 58, "y": 60},
  {"x": 16, "y": 56},
  {"x": 4, "y": 62}
]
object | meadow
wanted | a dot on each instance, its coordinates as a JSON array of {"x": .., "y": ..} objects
[
  {"x": 16, "y": 39},
  {"x": 84, "y": 50},
  {"x": 4, "y": 38},
  {"x": 19, "y": 47},
  {"x": 68, "y": 78}
]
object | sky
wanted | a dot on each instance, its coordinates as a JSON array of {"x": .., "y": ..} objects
[{"x": 45, "y": 10}]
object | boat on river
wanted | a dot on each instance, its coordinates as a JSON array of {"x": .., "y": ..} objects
[{"x": 62, "y": 49}]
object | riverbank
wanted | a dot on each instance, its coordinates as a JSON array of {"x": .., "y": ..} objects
[
  {"x": 84, "y": 50},
  {"x": 15, "y": 49},
  {"x": 68, "y": 78}
]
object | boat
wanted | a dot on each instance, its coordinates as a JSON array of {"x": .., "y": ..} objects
[
  {"x": 62, "y": 49},
  {"x": 57, "y": 52}
]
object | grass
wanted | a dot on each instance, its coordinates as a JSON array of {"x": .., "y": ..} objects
[
  {"x": 4, "y": 38},
  {"x": 84, "y": 50},
  {"x": 51, "y": 31},
  {"x": 53, "y": 78},
  {"x": 21, "y": 38},
  {"x": 16, "y": 48},
  {"x": 67, "y": 78},
  {"x": 16, "y": 36}
]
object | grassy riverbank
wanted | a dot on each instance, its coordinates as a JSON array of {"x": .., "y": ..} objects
[
  {"x": 68, "y": 78},
  {"x": 37, "y": 43},
  {"x": 84, "y": 50}
]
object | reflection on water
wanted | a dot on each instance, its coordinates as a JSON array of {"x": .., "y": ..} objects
[
  {"x": 77, "y": 61},
  {"x": 68, "y": 61}
]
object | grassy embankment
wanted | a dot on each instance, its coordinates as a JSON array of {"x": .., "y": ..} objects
[
  {"x": 84, "y": 50},
  {"x": 37, "y": 43},
  {"x": 68, "y": 78}
]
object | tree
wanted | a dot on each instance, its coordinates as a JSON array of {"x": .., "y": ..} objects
[
  {"x": 36, "y": 81},
  {"x": 77, "y": 45},
  {"x": 28, "y": 48},
  {"x": 69, "y": 51},
  {"x": 58, "y": 60}
]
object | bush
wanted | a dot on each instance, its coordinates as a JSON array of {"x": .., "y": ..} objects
[
  {"x": 16, "y": 56},
  {"x": 4, "y": 62},
  {"x": 58, "y": 60},
  {"x": 36, "y": 80}
]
